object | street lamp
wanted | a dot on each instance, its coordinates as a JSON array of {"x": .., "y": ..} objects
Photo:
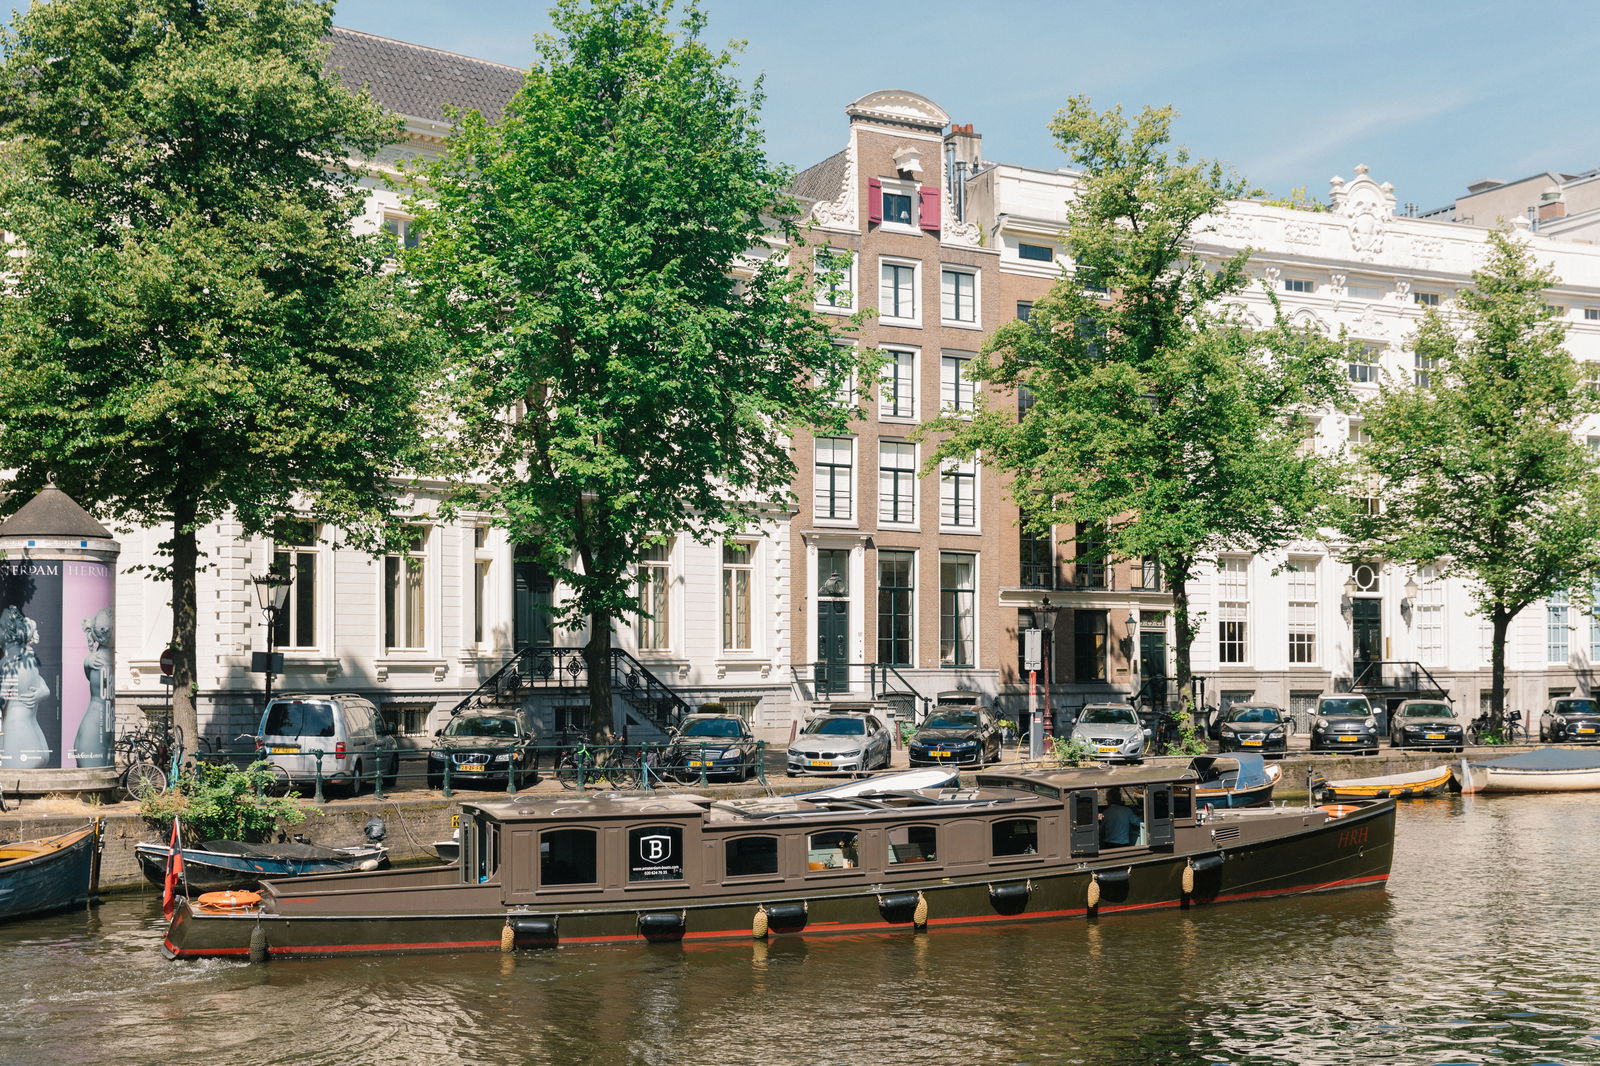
[
  {"x": 272, "y": 592},
  {"x": 1347, "y": 603},
  {"x": 1408, "y": 598}
]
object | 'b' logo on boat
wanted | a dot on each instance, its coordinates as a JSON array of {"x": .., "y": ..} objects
[{"x": 655, "y": 848}]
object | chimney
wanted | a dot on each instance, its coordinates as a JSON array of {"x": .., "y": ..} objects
[
  {"x": 968, "y": 145},
  {"x": 1552, "y": 204}
]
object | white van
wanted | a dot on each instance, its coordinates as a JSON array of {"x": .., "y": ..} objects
[{"x": 345, "y": 728}]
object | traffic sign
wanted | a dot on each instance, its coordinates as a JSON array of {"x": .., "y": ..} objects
[{"x": 169, "y": 661}]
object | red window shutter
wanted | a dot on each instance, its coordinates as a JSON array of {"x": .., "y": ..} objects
[
  {"x": 928, "y": 210},
  {"x": 874, "y": 202}
]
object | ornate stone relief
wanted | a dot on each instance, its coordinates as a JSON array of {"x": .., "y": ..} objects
[
  {"x": 1367, "y": 208},
  {"x": 1371, "y": 325},
  {"x": 1302, "y": 233},
  {"x": 843, "y": 213},
  {"x": 1336, "y": 282}
]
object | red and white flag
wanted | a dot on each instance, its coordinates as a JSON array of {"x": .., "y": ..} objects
[{"x": 169, "y": 885}]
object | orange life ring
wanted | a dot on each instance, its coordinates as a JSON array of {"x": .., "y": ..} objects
[
  {"x": 1338, "y": 810},
  {"x": 229, "y": 901}
]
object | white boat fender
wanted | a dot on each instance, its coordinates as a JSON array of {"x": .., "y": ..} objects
[{"x": 367, "y": 864}]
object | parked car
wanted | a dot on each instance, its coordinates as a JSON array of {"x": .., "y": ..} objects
[
  {"x": 955, "y": 734},
  {"x": 1425, "y": 724},
  {"x": 1344, "y": 723},
  {"x": 716, "y": 745},
  {"x": 1261, "y": 727},
  {"x": 1112, "y": 731},
  {"x": 1570, "y": 720},
  {"x": 484, "y": 748},
  {"x": 840, "y": 742},
  {"x": 347, "y": 731}
]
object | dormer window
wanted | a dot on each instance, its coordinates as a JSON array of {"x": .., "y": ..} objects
[{"x": 896, "y": 208}]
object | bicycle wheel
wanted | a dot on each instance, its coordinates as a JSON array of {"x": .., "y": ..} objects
[
  {"x": 622, "y": 771},
  {"x": 567, "y": 771},
  {"x": 143, "y": 778}
]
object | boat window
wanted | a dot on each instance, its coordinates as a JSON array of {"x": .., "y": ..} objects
[
  {"x": 913, "y": 843},
  {"x": 655, "y": 853},
  {"x": 567, "y": 857},
  {"x": 835, "y": 849},
  {"x": 484, "y": 851},
  {"x": 1016, "y": 836},
  {"x": 751, "y": 856}
]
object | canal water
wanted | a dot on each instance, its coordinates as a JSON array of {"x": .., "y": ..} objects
[{"x": 1482, "y": 950}]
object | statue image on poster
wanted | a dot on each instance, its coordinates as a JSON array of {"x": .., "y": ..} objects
[
  {"x": 23, "y": 745},
  {"x": 93, "y": 745}
]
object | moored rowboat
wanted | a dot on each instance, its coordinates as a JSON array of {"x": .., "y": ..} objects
[
  {"x": 50, "y": 873},
  {"x": 1541, "y": 770},
  {"x": 1415, "y": 785}
]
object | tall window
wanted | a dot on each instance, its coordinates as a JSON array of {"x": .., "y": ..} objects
[
  {"x": 1088, "y": 646},
  {"x": 958, "y": 484},
  {"x": 836, "y": 278},
  {"x": 957, "y": 392},
  {"x": 655, "y": 586},
  {"x": 738, "y": 567},
  {"x": 1150, "y": 573},
  {"x": 958, "y": 295},
  {"x": 1594, "y": 623},
  {"x": 1090, "y": 548},
  {"x": 405, "y": 594},
  {"x": 1038, "y": 552},
  {"x": 897, "y": 482},
  {"x": 1365, "y": 499},
  {"x": 482, "y": 567},
  {"x": 404, "y": 230},
  {"x": 897, "y": 386},
  {"x": 957, "y": 584},
  {"x": 1422, "y": 372},
  {"x": 897, "y": 290},
  {"x": 1429, "y": 612},
  {"x": 1233, "y": 589},
  {"x": 295, "y": 557},
  {"x": 1555, "y": 609},
  {"x": 833, "y": 477},
  {"x": 896, "y": 592},
  {"x": 1303, "y": 612},
  {"x": 1363, "y": 365}
]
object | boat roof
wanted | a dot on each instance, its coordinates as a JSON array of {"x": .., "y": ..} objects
[
  {"x": 1080, "y": 777},
  {"x": 1547, "y": 759}
]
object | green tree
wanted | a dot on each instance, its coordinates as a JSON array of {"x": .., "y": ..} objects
[
  {"x": 1158, "y": 415},
  {"x": 621, "y": 367},
  {"x": 1480, "y": 472},
  {"x": 193, "y": 331}
]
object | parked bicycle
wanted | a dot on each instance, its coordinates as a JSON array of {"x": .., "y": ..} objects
[
  {"x": 146, "y": 758},
  {"x": 581, "y": 765},
  {"x": 1487, "y": 729}
]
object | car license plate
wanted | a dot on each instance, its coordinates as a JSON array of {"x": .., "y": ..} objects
[
  {"x": 1435, "y": 736},
  {"x": 473, "y": 767},
  {"x": 821, "y": 762},
  {"x": 701, "y": 762},
  {"x": 1108, "y": 749},
  {"x": 1585, "y": 729},
  {"x": 939, "y": 754},
  {"x": 1256, "y": 742},
  {"x": 286, "y": 751},
  {"x": 1346, "y": 740}
]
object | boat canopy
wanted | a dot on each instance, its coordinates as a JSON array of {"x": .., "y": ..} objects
[
  {"x": 1251, "y": 770},
  {"x": 1547, "y": 759}
]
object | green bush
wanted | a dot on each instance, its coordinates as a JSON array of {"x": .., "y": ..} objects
[
  {"x": 1069, "y": 751},
  {"x": 218, "y": 802}
]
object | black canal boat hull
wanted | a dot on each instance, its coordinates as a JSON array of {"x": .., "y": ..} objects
[
  {"x": 1352, "y": 851},
  {"x": 49, "y": 874}
]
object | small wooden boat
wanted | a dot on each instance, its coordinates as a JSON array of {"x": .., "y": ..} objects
[
  {"x": 1541, "y": 770},
  {"x": 1415, "y": 785},
  {"x": 223, "y": 864},
  {"x": 619, "y": 868},
  {"x": 51, "y": 873},
  {"x": 1241, "y": 780}
]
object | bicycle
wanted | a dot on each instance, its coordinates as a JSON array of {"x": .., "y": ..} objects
[
  {"x": 1486, "y": 729},
  {"x": 147, "y": 759},
  {"x": 579, "y": 765}
]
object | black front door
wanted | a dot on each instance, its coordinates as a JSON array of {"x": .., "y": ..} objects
[
  {"x": 1153, "y": 666},
  {"x": 533, "y": 588},
  {"x": 1366, "y": 633},
  {"x": 833, "y": 645}
]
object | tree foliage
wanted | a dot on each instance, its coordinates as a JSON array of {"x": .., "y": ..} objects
[
  {"x": 220, "y": 802},
  {"x": 623, "y": 354},
  {"x": 192, "y": 330},
  {"x": 1159, "y": 414},
  {"x": 1480, "y": 471}
]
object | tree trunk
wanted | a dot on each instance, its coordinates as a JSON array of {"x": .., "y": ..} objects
[
  {"x": 597, "y": 653},
  {"x": 1183, "y": 631},
  {"x": 185, "y": 566},
  {"x": 1501, "y": 620}
]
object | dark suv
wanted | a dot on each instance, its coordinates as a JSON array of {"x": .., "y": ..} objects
[{"x": 483, "y": 748}]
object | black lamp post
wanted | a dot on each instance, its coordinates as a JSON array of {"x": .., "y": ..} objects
[
  {"x": 272, "y": 591},
  {"x": 1047, "y": 622}
]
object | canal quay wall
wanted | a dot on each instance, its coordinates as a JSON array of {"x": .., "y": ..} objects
[{"x": 416, "y": 819}]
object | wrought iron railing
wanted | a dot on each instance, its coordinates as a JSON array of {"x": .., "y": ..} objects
[
  {"x": 824, "y": 681},
  {"x": 544, "y": 668},
  {"x": 1395, "y": 675}
]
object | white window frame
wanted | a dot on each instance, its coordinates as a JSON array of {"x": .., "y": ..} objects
[
  {"x": 954, "y": 640},
  {"x": 1298, "y": 286},
  {"x": 1303, "y": 646},
  {"x": 737, "y": 599},
  {"x": 654, "y": 635},
  {"x": 1368, "y": 369},
  {"x": 827, "y": 295},
  {"x": 286, "y": 558},
  {"x": 832, "y": 446},
  {"x": 889, "y": 374},
  {"x": 1428, "y": 611},
  {"x": 951, "y": 477},
  {"x": 403, "y": 228},
  {"x": 1558, "y": 624},
  {"x": 399, "y": 612},
  {"x": 900, "y": 187},
  {"x": 958, "y": 393},
  {"x": 899, "y": 450},
  {"x": 890, "y": 308},
  {"x": 1233, "y": 608},
  {"x": 950, "y": 297},
  {"x": 483, "y": 569}
]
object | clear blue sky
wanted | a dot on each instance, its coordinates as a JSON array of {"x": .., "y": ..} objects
[{"x": 1431, "y": 96}]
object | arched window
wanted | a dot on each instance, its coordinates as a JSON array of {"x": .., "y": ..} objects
[
  {"x": 750, "y": 856},
  {"x": 568, "y": 857},
  {"x": 913, "y": 843},
  {"x": 1016, "y": 836},
  {"x": 833, "y": 849}
]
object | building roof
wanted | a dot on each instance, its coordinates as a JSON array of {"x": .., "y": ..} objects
[
  {"x": 52, "y": 513},
  {"x": 824, "y": 181},
  {"x": 419, "y": 82}
]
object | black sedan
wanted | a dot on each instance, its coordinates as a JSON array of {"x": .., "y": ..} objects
[
  {"x": 1425, "y": 724},
  {"x": 1572, "y": 720},
  {"x": 711, "y": 745},
  {"x": 963, "y": 736},
  {"x": 483, "y": 749},
  {"x": 1253, "y": 727}
]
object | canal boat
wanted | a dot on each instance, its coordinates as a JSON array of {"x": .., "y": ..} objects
[
  {"x": 1539, "y": 770},
  {"x": 50, "y": 873},
  {"x": 223, "y": 864},
  {"x": 606, "y": 868},
  {"x": 1415, "y": 785},
  {"x": 1242, "y": 780}
]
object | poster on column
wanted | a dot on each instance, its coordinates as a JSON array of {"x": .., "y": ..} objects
[
  {"x": 30, "y": 664},
  {"x": 88, "y": 669}
]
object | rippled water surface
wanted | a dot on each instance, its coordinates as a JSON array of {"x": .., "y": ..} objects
[{"x": 1482, "y": 950}]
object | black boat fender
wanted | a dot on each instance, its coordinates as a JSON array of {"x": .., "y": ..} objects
[
  {"x": 663, "y": 927},
  {"x": 1109, "y": 882},
  {"x": 784, "y": 917},
  {"x": 1197, "y": 866},
  {"x": 904, "y": 907},
  {"x": 531, "y": 931},
  {"x": 1010, "y": 898}
]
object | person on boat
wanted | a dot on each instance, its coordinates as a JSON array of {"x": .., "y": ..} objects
[{"x": 1119, "y": 823}]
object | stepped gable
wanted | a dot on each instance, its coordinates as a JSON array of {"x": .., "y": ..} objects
[
  {"x": 52, "y": 513},
  {"x": 419, "y": 82}
]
